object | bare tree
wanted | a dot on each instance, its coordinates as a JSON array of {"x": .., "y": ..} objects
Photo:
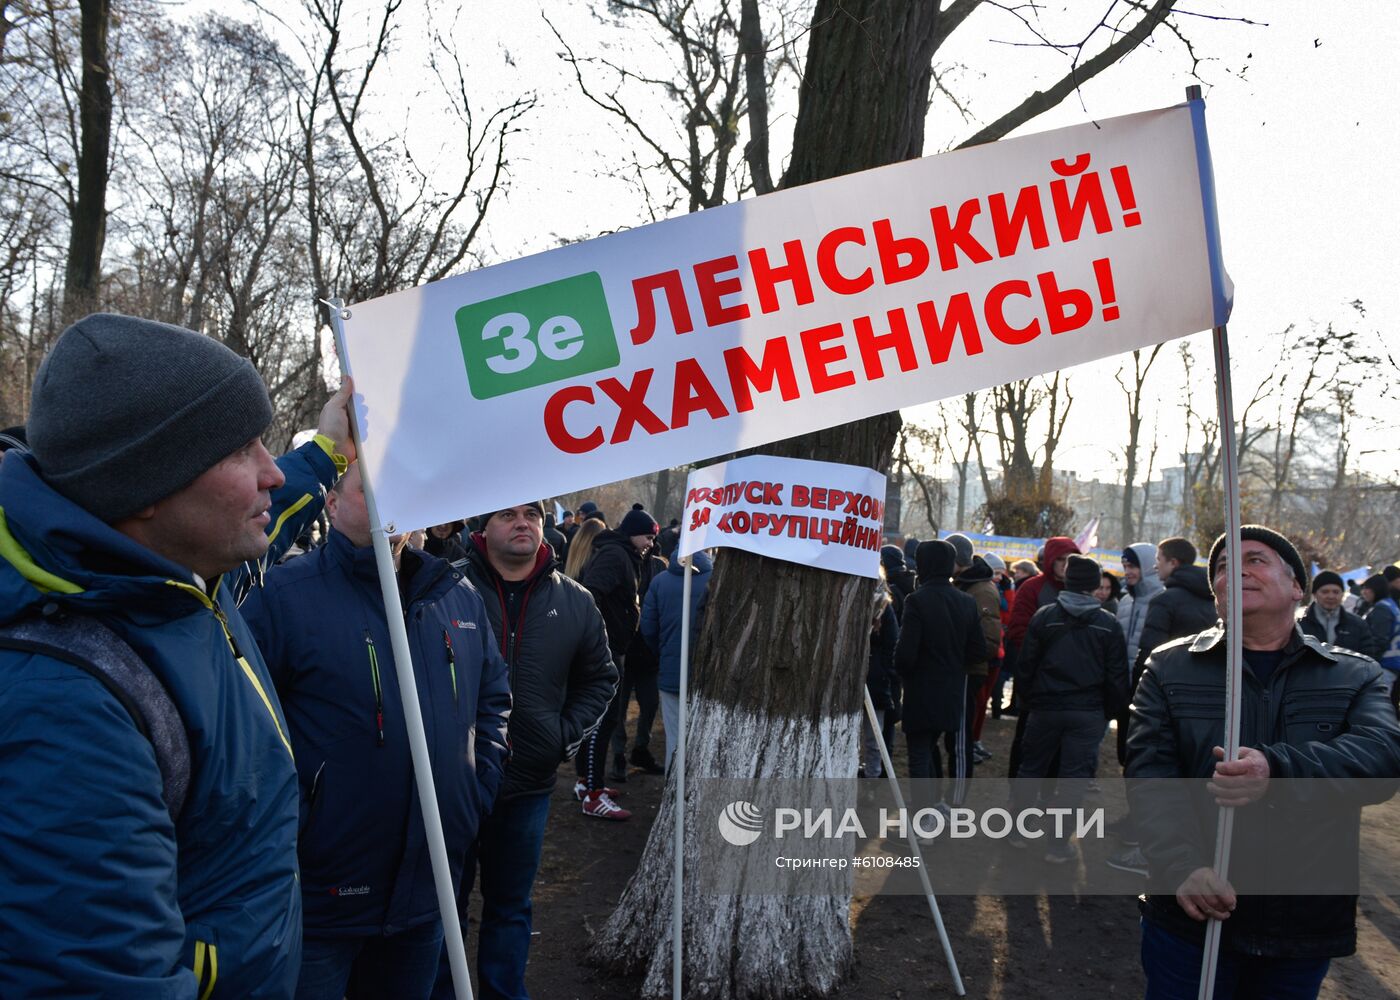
[
  {"x": 927, "y": 446},
  {"x": 380, "y": 221},
  {"x": 1133, "y": 390},
  {"x": 777, "y": 668}
]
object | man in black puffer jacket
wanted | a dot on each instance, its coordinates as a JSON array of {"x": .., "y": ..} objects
[
  {"x": 1070, "y": 673},
  {"x": 1307, "y": 711},
  {"x": 561, "y": 679},
  {"x": 1184, "y": 607}
]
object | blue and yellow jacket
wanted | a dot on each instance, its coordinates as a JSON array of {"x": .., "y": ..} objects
[
  {"x": 103, "y": 894},
  {"x": 321, "y": 624}
]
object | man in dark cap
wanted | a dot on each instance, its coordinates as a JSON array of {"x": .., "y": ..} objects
[
  {"x": 940, "y": 637},
  {"x": 1308, "y": 711},
  {"x": 1071, "y": 675},
  {"x": 146, "y": 508},
  {"x": 1326, "y": 619}
]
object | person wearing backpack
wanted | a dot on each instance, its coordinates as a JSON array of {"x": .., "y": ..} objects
[
  {"x": 147, "y": 508},
  {"x": 1071, "y": 672}
]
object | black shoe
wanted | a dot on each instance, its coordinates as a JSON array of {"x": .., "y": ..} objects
[
  {"x": 642, "y": 759},
  {"x": 618, "y": 772}
]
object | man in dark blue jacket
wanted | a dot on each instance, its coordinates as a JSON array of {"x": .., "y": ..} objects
[
  {"x": 370, "y": 906},
  {"x": 661, "y": 630},
  {"x": 149, "y": 504}
]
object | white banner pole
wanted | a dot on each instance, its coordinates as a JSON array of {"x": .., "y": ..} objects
[
  {"x": 914, "y": 846},
  {"x": 408, "y": 694},
  {"x": 678, "y": 762},
  {"x": 1234, "y": 640}
]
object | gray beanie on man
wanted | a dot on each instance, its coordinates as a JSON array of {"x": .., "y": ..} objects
[
  {"x": 962, "y": 548},
  {"x": 127, "y": 411}
]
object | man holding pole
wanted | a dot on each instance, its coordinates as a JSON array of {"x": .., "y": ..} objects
[
  {"x": 372, "y": 924},
  {"x": 1276, "y": 945}
]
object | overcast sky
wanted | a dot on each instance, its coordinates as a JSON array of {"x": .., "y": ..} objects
[{"x": 1301, "y": 112}]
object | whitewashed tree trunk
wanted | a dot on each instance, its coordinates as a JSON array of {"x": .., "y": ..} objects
[{"x": 778, "y": 673}]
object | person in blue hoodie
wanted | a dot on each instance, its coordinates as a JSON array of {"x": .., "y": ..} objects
[
  {"x": 150, "y": 505},
  {"x": 371, "y": 919},
  {"x": 661, "y": 630}
]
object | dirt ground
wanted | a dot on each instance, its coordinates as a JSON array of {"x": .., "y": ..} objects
[{"x": 1007, "y": 947}]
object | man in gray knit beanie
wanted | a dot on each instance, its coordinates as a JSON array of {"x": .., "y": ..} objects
[
  {"x": 157, "y": 431},
  {"x": 145, "y": 510}
]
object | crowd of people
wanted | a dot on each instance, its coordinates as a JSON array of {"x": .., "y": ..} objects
[
  {"x": 206, "y": 759},
  {"x": 1084, "y": 649}
]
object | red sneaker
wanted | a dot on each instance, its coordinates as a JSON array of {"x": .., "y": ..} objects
[
  {"x": 600, "y": 805},
  {"x": 580, "y": 790}
]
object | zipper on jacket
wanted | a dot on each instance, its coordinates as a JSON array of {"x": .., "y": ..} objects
[
  {"x": 238, "y": 657},
  {"x": 451, "y": 664},
  {"x": 378, "y": 690},
  {"x": 205, "y": 951}
]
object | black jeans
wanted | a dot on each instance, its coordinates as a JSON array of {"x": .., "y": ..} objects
[
  {"x": 643, "y": 682},
  {"x": 1073, "y": 737},
  {"x": 926, "y": 760}
]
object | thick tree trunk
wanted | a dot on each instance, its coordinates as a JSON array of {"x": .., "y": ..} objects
[
  {"x": 780, "y": 665},
  {"x": 89, "y": 215}
]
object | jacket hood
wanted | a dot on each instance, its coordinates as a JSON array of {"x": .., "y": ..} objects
[
  {"x": 53, "y": 551},
  {"x": 1147, "y": 561},
  {"x": 700, "y": 560},
  {"x": 1055, "y": 548},
  {"x": 605, "y": 539},
  {"x": 1192, "y": 579},
  {"x": 976, "y": 573},
  {"x": 1079, "y": 605}
]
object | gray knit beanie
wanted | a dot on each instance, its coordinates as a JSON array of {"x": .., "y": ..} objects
[
  {"x": 962, "y": 549},
  {"x": 127, "y": 411}
]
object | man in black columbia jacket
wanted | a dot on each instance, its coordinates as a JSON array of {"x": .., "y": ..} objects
[
  {"x": 561, "y": 678},
  {"x": 1308, "y": 712}
]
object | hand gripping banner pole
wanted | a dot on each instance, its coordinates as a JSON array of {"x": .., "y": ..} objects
[
  {"x": 914, "y": 845},
  {"x": 1234, "y": 639},
  {"x": 678, "y": 884},
  {"x": 408, "y": 694}
]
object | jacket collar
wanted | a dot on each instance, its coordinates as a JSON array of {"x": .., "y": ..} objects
[{"x": 1213, "y": 636}]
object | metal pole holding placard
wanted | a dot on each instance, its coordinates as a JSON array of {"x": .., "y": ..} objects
[
  {"x": 678, "y": 762},
  {"x": 1234, "y": 639},
  {"x": 408, "y": 694},
  {"x": 914, "y": 846}
]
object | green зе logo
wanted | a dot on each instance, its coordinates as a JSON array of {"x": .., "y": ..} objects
[{"x": 538, "y": 335}]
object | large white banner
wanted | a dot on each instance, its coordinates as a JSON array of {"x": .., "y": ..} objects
[
  {"x": 723, "y": 330},
  {"x": 820, "y": 514}
]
